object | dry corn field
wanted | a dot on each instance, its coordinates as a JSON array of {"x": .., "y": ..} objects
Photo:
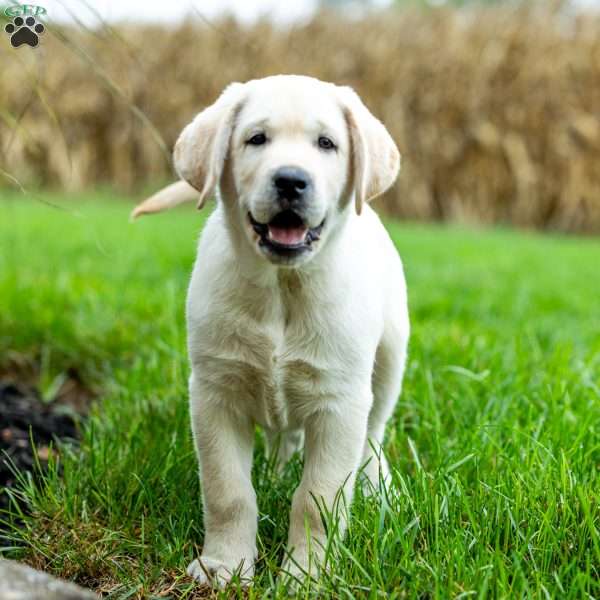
[{"x": 496, "y": 112}]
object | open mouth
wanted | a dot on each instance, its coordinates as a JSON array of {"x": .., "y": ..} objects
[{"x": 286, "y": 233}]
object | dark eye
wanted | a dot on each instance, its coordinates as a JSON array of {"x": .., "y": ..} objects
[
  {"x": 326, "y": 143},
  {"x": 257, "y": 140}
]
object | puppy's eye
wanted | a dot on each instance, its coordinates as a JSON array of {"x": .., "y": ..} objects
[
  {"x": 326, "y": 143},
  {"x": 257, "y": 140}
]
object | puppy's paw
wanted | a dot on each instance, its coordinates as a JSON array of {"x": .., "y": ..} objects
[
  {"x": 291, "y": 578},
  {"x": 295, "y": 575},
  {"x": 218, "y": 573}
]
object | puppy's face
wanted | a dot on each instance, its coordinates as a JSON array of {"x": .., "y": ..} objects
[{"x": 289, "y": 154}]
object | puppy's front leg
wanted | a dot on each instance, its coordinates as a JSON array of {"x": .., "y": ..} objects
[
  {"x": 332, "y": 450},
  {"x": 224, "y": 441}
]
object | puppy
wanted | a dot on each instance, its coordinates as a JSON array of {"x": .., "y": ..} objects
[{"x": 296, "y": 312}]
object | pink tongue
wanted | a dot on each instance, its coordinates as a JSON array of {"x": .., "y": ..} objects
[{"x": 288, "y": 236}]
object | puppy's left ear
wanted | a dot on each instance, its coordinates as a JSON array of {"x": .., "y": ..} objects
[
  {"x": 375, "y": 156},
  {"x": 201, "y": 150}
]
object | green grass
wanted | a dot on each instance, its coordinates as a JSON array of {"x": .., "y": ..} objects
[{"x": 495, "y": 442}]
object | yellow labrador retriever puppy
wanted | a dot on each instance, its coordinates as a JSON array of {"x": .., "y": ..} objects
[{"x": 296, "y": 312}]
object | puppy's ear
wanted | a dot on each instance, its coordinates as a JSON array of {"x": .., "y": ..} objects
[
  {"x": 375, "y": 156},
  {"x": 202, "y": 147}
]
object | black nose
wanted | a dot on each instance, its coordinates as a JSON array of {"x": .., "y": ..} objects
[{"x": 291, "y": 183}]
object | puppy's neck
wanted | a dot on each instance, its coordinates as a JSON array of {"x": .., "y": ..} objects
[{"x": 291, "y": 281}]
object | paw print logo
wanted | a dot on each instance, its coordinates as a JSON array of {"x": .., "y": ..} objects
[{"x": 24, "y": 31}]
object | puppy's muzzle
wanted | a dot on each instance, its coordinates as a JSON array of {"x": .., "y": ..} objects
[
  {"x": 286, "y": 233},
  {"x": 293, "y": 187}
]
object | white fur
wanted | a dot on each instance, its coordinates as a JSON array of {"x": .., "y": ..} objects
[{"x": 313, "y": 346}]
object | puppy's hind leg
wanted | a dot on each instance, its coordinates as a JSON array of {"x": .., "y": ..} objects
[{"x": 386, "y": 383}]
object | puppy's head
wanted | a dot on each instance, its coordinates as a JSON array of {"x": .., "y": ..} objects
[{"x": 289, "y": 153}]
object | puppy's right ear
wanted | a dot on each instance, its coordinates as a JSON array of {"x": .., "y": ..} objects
[
  {"x": 375, "y": 156},
  {"x": 202, "y": 147}
]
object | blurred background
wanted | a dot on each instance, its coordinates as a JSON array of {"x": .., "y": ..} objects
[{"x": 495, "y": 105}]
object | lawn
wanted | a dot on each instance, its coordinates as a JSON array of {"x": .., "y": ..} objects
[{"x": 495, "y": 442}]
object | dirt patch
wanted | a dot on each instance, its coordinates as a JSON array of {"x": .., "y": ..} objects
[{"x": 30, "y": 423}]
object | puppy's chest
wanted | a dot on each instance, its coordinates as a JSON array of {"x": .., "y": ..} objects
[
  {"x": 286, "y": 382},
  {"x": 277, "y": 355},
  {"x": 277, "y": 367}
]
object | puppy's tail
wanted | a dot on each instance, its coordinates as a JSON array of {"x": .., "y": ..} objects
[{"x": 174, "y": 194}]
